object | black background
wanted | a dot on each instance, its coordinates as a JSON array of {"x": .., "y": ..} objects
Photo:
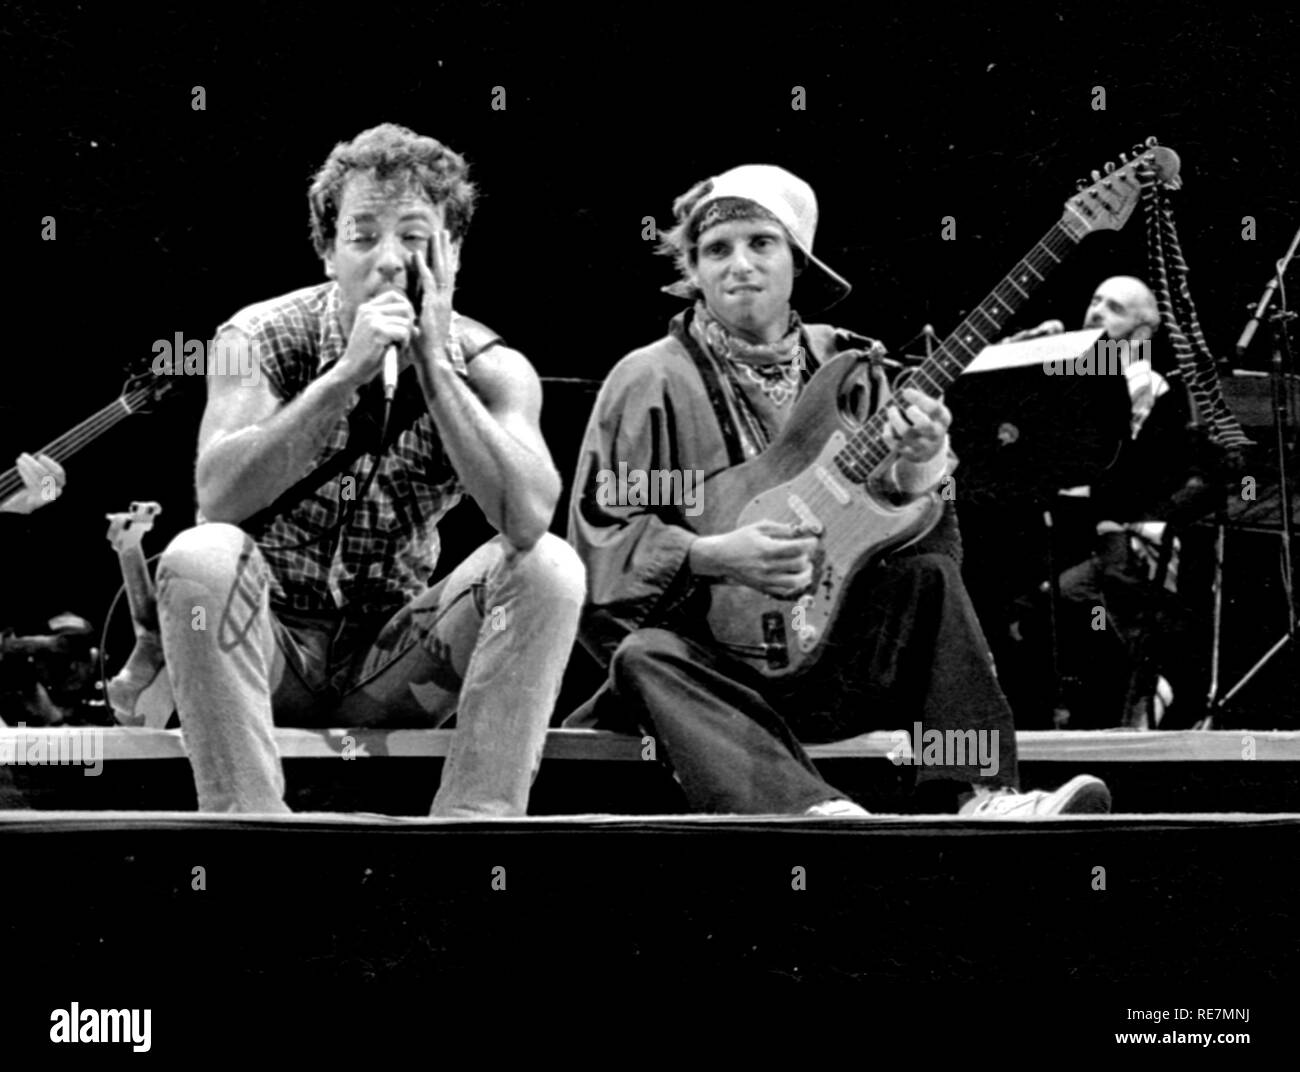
[{"x": 170, "y": 219}]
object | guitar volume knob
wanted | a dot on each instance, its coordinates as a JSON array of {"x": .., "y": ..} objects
[{"x": 807, "y": 638}]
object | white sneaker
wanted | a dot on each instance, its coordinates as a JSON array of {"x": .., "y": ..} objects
[
  {"x": 1084, "y": 795},
  {"x": 837, "y": 808},
  {"x": 1164, "y": 699}
]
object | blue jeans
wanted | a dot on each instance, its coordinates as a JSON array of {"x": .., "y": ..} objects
[{"x": 488, "y": 643}]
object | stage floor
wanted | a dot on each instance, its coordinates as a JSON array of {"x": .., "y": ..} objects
[{"x": 584, "y": 771}]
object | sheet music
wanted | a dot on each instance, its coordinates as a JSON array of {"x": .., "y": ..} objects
[{"x": 1063, "y": 347}]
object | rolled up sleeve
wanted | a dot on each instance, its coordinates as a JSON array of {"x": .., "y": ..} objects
[{"x": 635, "y": 554}]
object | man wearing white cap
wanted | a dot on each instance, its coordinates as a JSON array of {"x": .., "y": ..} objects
[{"x": 712, "y": 394}]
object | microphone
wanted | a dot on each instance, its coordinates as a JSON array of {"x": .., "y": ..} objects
[
  {"x": 1249, "y": 332},
  {"x": 415, "y": 295},
  {"x": 1047, "y": 327},
  {"x": 390, "y": 373}
]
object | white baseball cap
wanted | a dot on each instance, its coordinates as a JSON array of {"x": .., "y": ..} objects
[{"x": 792, "y": 202}]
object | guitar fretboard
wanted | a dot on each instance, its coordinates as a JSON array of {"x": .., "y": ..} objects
[
  {"x": 81, "y": 436},
  {"x": 139, "y": 585},
  {"x": 866, "y": 449}
]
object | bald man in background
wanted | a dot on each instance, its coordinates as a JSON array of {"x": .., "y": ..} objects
[
  {"x": 1166, "y": 474},
  {"x": 1124, "y": 308}
]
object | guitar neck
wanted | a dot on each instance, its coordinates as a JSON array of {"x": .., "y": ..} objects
[
  {"x": 81, "y": 436},
  {"x": 866, "y": 449},
  {"x": 140, "y": 595}
]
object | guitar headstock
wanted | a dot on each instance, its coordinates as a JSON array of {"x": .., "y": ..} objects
[
  {"x": 1109, "y": 201},
  {"x": 127, "y": 529},
  {"x": 144, "y": 388}
]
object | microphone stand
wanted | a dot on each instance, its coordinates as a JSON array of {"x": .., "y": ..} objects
[
  {"x": 926, "y": 335},
  {"x": 1280, "y": 379},
  {"x": 1060, "y": 709},
  {"x": 1248, "y": 332}
]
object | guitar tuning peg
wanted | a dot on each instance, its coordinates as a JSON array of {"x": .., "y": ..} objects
[
  {"x": 1123, "y": 158},
  {"x": 1080, "y": 185},
  {"x": 1151, "y": 143},
  {"x": 1096, "y": 175},
  {"x": 1110, "y": 166}
]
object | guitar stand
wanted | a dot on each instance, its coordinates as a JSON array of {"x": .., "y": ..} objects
[{"x": 1216, "y": 703}]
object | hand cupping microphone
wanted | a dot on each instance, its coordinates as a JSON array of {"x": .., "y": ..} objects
[{"x": 414, "y": 294}]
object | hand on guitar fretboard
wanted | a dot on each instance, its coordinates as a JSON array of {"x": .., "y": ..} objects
[
  {"x": 43, "y": 479},
  {"x": 38, "y": 479}
]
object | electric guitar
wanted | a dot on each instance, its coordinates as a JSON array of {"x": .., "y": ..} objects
[
  {"x": 818, "y": 471},
  {"x": 140, "y": 694},
  {"x": 138, "y": 393}
]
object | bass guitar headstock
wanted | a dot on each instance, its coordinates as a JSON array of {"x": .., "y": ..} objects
[
  {"x": 127, "y": 529},
  {"x": 143, "y": 389}
]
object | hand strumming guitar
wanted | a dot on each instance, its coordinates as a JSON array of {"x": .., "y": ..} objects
[{"x": 770, "y": 556}]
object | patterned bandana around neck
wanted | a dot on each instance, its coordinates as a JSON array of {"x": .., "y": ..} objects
[{"x": 769, "y": 365}]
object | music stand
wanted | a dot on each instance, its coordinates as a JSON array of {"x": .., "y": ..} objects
[{"x": 1021, "y": 435}]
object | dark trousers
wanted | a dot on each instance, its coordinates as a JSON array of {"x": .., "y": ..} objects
[
  {"x": 1145, "y": 630},
  {"x": 907, "y": 650}
]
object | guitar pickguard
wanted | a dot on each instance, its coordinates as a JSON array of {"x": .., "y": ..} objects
[{"x": 855, "y": 528}]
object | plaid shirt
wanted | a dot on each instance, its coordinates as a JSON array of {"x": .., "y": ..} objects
[{"x": 386, "y": 552}]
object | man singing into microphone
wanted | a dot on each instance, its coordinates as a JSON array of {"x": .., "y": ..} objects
[{"x": 304, "y": 598}]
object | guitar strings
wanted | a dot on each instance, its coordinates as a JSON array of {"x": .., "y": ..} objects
[
  {"x": 74, "y": 439},
  {"x": 84, "y": 433},
  {"x": 62, "y": 448},
  {"x": 97, "y": 424},
  {"x": 865, "y": 450}
]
